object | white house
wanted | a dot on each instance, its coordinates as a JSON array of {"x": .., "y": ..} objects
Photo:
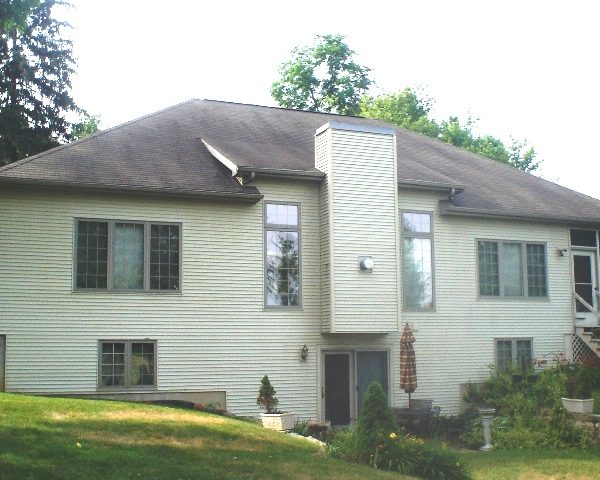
[{"x": 190, "y": 252}]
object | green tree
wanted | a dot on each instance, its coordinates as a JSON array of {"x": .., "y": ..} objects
[
  {"x": 411, "y": 110},
  {"x": 88, "y": 126},
  {"x": 266, "y": 395},
  {"x": 404, "y": 108},
  {"x": 36, "y": 65},
  {"x": 322, "y": 78}
]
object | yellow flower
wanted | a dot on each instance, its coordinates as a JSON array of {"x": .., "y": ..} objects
[{"x": 393, "y": 436}]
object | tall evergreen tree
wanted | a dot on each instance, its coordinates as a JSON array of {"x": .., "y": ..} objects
[{"x": 36, "y": 66}]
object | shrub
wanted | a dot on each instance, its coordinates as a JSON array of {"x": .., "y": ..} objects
[
  {"x": 376, "y": 418},
  {"x": 345, "y": 445},
  {"x": 530, "y": 414},
  {"x": 266, "y": 396}
]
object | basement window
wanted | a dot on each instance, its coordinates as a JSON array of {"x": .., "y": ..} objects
[
  {"x": 127, "y": 364},
  {"x": 513, "y": 353}
]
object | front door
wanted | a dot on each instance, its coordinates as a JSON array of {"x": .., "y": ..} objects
[
  {"x": 370, "y": 367},
  {"x": 2, "y": 360},
  {"x": 337, "y": 388},
  {"x": 586, "y": 286}
]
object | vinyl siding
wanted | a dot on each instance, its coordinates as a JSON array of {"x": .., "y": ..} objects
[
  {"x": 216, "y": 334},
  {"x": 363, "y": 222},
  {"x": 455, "y": 343}
]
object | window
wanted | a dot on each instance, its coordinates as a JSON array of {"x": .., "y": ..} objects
[
  {"x": 282, "y": 255},
  {"x": 583, "y": 238},
  {"x": 513, "y": 353},
  {"x": 122, "y": 256},
  {"x": 127, "y": 364},
  {"x": 417, "y": 264},
  {"x": 512, "y": 269}
]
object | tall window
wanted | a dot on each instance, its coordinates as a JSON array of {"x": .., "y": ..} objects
[
  {"x": 513, "y": 353},
  {"x": 127, "y": 364},
  {"x": 282, "y": 255},
  {"x": 512, "y": 269},
  {"x": 417, "y": 264},
  {"x": 123, "y": 256}
]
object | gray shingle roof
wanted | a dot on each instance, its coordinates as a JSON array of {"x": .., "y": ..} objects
[{"x": 163, "y": 152}]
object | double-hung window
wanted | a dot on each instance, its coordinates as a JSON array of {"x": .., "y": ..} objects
[
  {"x": 417, "y": 261},
  {"x": 512, "y": 269},
  {"x": 127, "y": 364},
  {"x": 127, "y": 256},
  {"x": 513, "y": 353},
  {"x": 282, "y": 255}
]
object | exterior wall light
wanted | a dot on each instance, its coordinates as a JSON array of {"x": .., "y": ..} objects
[
  {"x": 365, "y": 264},
  {"x": 561, "y": 252},
  {"x": 304, "y": 353}
]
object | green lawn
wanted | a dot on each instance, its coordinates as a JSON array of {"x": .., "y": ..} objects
[
  {"x": 49, "y": 438},
  {"x": 534, "y": 464}
]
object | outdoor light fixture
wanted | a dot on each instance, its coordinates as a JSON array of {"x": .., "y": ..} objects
[
  {"x": 365, "y": 264},
  {"x": 561, "y": 252},
  {"x": 304, "y": 353}
]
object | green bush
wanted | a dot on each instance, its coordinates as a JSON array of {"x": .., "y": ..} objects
[
  {"x": 376, "y": 418},
  {"x": 529, "y": 413},
  {"x": 345, "y": 445},
  {"x": 413, "y": 456}
]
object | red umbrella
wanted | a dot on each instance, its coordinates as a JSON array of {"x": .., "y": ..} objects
[{"x": 408, "y": 363}]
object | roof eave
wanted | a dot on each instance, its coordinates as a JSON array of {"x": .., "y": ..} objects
[
  {"x": 242, "y": 197},
  {"x": 429, "y": 185},
  {"x": 452, "y": 210},
  {"x": 311, "y": 175}
]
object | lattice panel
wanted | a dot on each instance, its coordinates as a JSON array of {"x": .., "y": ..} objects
[{"x": 581, "y": 352}]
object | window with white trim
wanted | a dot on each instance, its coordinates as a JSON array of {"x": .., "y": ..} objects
[
  {"x": 417, "y": 261},
  {"x": 513, "y": 353},
  {"x": 121, "y": 256},
  {"x": 282, "y": 255},
  {"x": 512, "y": 269},
  {"x": 127, "y": 364}
]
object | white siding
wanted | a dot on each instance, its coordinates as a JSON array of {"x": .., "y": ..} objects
[
  {"x": 363, "y": 222},
  {"x": 455, "y": 344},
  {"x": 216, "y": 334}
]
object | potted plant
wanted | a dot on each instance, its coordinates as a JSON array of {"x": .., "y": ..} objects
[
  {"x": 272, "y": 418},
  {"x": 579, "y": 395}
]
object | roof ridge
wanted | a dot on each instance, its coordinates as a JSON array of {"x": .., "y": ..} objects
[
  {"x": 26, "y": 160},
  {"x": 285, "y": 108}
]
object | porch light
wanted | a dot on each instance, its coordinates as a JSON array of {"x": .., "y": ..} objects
[
  {"x": 365, "y": 264},
  {"x": 304, "y": 353},
  {"x": 561, "y": 252}
]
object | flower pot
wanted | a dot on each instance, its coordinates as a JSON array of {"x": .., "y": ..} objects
[
  {"x": 278, "y": 421},
  {"x": 575, "y": 405}
]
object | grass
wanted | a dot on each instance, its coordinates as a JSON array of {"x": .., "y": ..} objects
[
  {"x": 533, "y": 464},
  {"x": 596, "y": 397},
  {"x": 50, "y": 438}
]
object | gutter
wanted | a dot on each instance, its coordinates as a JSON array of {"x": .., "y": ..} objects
[
  {"x": 249, "y": 173},
  {"x": 429, "y": 185},
  {"x": 452, "y": 210},
  {"x": 243, "y": 197}
]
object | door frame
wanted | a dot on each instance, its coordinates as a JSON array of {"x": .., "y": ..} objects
[
  {"x": 351, "y": 350},
  {"x": 583, "y": 319}
]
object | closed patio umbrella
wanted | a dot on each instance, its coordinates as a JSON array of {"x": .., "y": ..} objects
[{"x": 408, "y": 363}]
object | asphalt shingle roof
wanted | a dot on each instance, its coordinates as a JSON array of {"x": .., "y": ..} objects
[{"x": 163, "y": 152}]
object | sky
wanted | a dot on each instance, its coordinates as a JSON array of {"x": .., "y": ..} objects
[{"x": 526, "y": 69}]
